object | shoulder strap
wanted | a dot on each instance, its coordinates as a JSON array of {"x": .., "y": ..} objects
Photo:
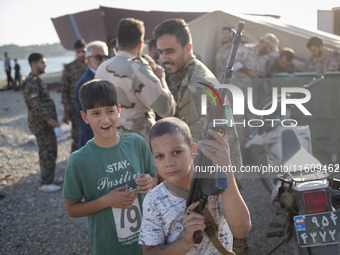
[
  {"x": 176, "y": 190},
  {"x": 211, "y": 229},
  {"x": 211, "y": 225}
]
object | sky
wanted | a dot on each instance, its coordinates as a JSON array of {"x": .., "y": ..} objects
[{"x": 26, "y": 22}]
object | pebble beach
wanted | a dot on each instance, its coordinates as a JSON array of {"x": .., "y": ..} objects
[{"x": 34, "y": 222}]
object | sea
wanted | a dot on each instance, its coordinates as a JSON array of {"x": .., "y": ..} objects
[{"x": 53, "y": 64}]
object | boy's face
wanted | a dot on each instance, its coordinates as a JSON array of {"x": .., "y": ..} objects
[
  {"x": 172, "y": 156},
  {"x": 103, "y": 121}
]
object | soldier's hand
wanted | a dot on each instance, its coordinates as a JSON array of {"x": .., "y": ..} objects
[
  {"x": 119, "y": 198},
  {"x": 216, "y": 150},
  {"x": 253, "y": 74},
  {"x": 65, "y": 118},
  {"x": 159, "y": 71},
  {"x": 53, "y": 123}
]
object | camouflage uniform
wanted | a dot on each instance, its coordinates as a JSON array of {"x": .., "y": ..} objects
[
  {"x": 70, "y": 77},
  {"x": 184, "y": 83},
  {"x": 139, "y": 92},
  {"x": 330, "y": 63},
  {"x": 272, "y": 66},
  {"x": 248, "y": 57},
  {"x": 41, "y": 108},
  {"x": 221, "y": 60}
]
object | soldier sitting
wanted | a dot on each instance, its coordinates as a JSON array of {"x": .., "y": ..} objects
[{"x": 322, "y": 59}]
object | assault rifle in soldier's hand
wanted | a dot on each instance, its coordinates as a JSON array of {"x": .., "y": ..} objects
[{"x": 205, "y": 184}]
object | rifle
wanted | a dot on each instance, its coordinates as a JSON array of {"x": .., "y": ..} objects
[{"x": 204, "y": 185}]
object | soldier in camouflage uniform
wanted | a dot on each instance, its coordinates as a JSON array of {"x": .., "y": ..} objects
[
  {"x": 223, "y": 52},
  {"x": 322, "y": 59},
  {"x": 249, "y": 69},
  {"x": 42, "y": 119},
  {"x": 70, "y": 77},
  {"x": 141, "y": 91},
  {"x": 174, "y": 44}
]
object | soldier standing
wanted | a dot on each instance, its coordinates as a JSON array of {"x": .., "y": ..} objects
[
  {"x": 141, "y": 90},
  {"x": 174, "y": 44},
  {"x": 70, "y": 77},
  {"x": 7, "y": 64},
  {"x": 17, "y": 75},
  {"x": 223, "y": 52},
  {"x": 249, "y": 71},
  {"x": 42, "y": 119}
]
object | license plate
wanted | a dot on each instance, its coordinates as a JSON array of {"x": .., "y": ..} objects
[{"x": 318, "y": 228}]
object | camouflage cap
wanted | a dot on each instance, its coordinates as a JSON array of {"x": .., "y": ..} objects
[{"x": 272, "y": 40}]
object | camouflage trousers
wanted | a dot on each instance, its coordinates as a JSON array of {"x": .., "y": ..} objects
[
  {"x": 240, "y": 246},
  {"x": 73, "y": 115},
  {"x": 48, "y": 152}
]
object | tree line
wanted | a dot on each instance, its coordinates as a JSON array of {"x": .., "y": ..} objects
[{"x": 15, "y": 51}]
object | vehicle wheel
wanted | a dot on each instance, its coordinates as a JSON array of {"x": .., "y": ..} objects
[
  {"x": 267, "y": 178},
  {"x": 298, "y": 250}
]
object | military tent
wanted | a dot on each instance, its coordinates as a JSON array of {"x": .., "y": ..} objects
[
  {"x": 206, "y": 32},
  {"x": 101, "y": 24}
]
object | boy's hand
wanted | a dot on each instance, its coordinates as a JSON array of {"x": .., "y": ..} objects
[
  {"x": 119, "y": 198},
  {"x": 145, "y": 183},
  {"x": 192, "y": 222},
  {"x": 216, "y": 150}
]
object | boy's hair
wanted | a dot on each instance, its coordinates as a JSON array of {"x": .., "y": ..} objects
[
  {"x": 170, "y": 125},
  {"x": 97, "y": 93},
  {"x": 130, "y": 33},
  {"x": 177, "y": 27},
  {"x": 314, "y": 41},
  {"x": 35, "y": 57},
  {"x": 80, "y": 43}
]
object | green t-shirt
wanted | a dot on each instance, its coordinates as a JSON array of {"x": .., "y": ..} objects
[{"x": 92, "y": 172}]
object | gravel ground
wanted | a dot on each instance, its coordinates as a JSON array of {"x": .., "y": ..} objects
[{"x": 34, "y": 222}]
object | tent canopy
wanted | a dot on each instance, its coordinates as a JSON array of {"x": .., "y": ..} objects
[
  {"x": 101, "y": 24},
  {"x": 207, "y": 42}
]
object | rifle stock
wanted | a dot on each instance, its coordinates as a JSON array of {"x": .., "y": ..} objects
[{"x": 203, "y": 184}]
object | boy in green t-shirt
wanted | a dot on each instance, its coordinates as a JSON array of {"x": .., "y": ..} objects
[{"x": 111, "y": 173}]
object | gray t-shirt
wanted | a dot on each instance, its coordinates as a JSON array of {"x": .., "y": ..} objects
[{"x": 163, "y": 217}]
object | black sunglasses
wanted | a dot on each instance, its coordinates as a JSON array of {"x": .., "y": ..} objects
[{"x": 99, "y": 57}]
